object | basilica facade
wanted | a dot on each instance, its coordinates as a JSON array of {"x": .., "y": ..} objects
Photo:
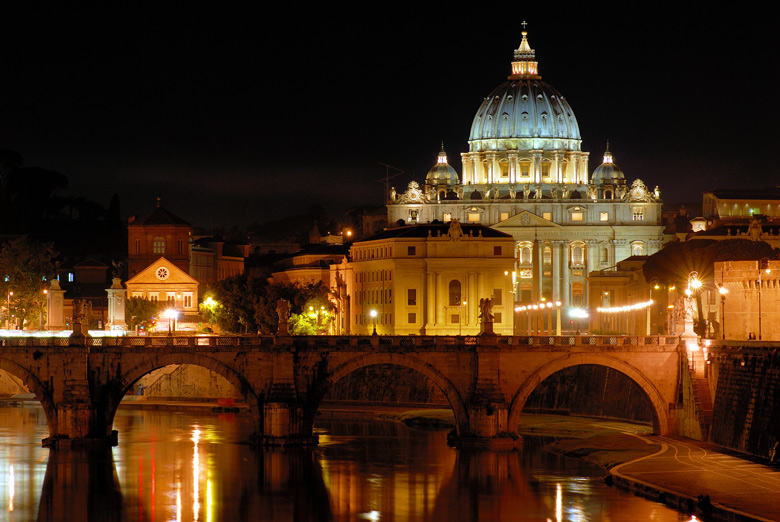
[{"x": 526, "y": 175}]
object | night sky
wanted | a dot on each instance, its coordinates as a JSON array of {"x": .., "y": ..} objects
[{"x": 235, "y": 117}]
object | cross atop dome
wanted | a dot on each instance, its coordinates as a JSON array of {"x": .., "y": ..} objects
[{"x": 525, "y": 64}]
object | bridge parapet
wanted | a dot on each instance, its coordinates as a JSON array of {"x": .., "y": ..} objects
[{"x": 415, "y": 342}]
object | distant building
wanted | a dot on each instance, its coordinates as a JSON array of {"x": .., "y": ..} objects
[
  {"x": 752, "y": 293},
  {"x": 622, "y": 301},
  {"x": 165, "y": 283},
  {"x": 310, "y": 265},
  {"x": 525, "y": 174},
  {"x": 155, "y": 234},
  {"x": 425, "y": 279},
  {"x": 212, "y": 259}
]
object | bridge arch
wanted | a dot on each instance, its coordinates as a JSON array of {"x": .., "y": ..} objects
[
  {"x": 36, "y": 387},
  {"x": 159, "y": 360},
  {"x": 658, "y": 405},
  {"x": 449, "y": 390}
]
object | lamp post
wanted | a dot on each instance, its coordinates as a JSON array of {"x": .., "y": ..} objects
[
  {"x": 171, "y": 314},
  {"x": 373, "y": 314},
  {"x": 763, "y": 266},
  {"x": 722, "y": 290},
  {"x": 656, "y": 286},
  {"x": 460, "y": 321},
  {"x": 8, "y": 321}
]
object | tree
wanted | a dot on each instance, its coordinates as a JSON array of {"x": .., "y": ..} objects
[
  {"x": 140, "y": 312},
  {"x": 25, "y": 266},
  {"x": 247, "y": 304}
]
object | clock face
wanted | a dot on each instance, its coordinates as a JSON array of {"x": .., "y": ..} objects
[{"x": 162, "y": 273}]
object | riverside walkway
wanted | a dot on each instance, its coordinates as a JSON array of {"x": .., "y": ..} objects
[{"x": 718, "y": 483}]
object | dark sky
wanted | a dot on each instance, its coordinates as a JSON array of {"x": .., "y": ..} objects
[{"x": 237, "y": 116}]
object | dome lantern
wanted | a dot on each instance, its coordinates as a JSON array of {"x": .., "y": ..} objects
[{"x": 525, "y": 65}]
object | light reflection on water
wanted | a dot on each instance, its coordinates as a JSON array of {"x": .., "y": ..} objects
[{"x": 181, "y": 466}]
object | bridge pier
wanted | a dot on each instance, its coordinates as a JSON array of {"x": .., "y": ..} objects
[
  {"x": 488, "y": 428},
  {"x": 286, "y": 424},
  {"x": 76, "y": 424}
]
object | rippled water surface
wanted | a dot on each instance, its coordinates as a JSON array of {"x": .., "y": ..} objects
[{"x": 183, "y": 466}]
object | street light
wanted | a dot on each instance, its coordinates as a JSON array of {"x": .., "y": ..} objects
[
  {"x": 577, "y": 314},
  {"x": 763, "y": 266},
  {"x": 171, "y": 314},
  {"x": 460, "y": 322},
  {"x": 373, "y": 314},
  {"x": 655, "y": 286},
  {"x": 722, "y": 290},
  {"x": 8, "y": 325}
]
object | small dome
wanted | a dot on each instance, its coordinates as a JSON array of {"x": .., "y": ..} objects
[
  {"x": 442, "y": 173},
  {"x": 608, "y": 172}
]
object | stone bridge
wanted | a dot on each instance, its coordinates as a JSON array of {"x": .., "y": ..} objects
[{"x": 486, "y": 379}]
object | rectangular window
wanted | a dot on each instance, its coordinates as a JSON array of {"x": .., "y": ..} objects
[
  {"x": 181, "y": 246},
  {"x": 497, "y": 317},
  {"x": 496, "y": 250},
  {"x": 158, "y": 245},
  {"x": 411, "y": 318},
  {"x": 447, "y": 217},
  {"x": 576, "y": 216},
  {"x": 455, "y": 318},
  {"x": 410, "y": 251},
  {"x": 497, "y": 301},
  {"x": 604, "y": 216},
  {"x": 638, "y": 214},
  {"x": 411, "y": 297},
  {"x": 137, "y": 246},
  {"x": 547, "y": 216},
  {"x": 473, "y": 217},
  {"x": 503, "y": 216}
]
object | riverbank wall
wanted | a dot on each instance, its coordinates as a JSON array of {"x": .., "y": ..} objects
[{"x": 746, "y": 409}]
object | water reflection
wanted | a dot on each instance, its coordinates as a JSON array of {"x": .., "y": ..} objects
[
  {"x": 80, "y": 483},
  {"x": 175, "y": 466}
]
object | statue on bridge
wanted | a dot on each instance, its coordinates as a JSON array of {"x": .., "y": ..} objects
[
  {"x": 486, "y": 315},
  {"x": 283, "y": 312}
]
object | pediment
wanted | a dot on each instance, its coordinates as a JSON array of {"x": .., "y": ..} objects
[
  {"x": 162, "y": 271},
  {"x": 525, "y": 219}
]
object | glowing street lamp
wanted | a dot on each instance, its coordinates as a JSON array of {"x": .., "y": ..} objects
[
  {"x": 373, "y": 315},
  {"x": 577, "y": 314},
  {"x": 722, "y": 290},
  {"x": 8, "y": 326},
  {"x": 763, "y": 266},
  {"x": 171, "y": 314}
]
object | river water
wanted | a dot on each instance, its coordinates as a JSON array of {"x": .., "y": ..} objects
[{"x": 199, "y": 467}]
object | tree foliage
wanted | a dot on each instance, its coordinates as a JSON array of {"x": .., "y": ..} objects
[
  {"x": 25, "y": 266},
  {"x": 140, "y": 312},
  {"x": 673, "y": 263},
  {"x": 247, "y": 304}
]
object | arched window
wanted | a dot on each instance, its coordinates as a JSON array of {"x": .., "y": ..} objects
[
  {"x": 525, "y": 254},
  {"x": 577, "y": 254},
  {"x": 604, "y": 258},
  {"x": 637, "y": 248},
  {"x": 455, "y": 293},
  {"x": 158, "y": 245}
]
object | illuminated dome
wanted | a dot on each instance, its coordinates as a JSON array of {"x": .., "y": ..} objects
[
  {"x": 442, "y": 173},
  {"x": 525, "y": 107},
  {"x": 525, "y": 132},
  {"x": 608, "y": 172}
]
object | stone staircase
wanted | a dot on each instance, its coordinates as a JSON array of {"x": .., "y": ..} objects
[{"x": 701, "y": 392}]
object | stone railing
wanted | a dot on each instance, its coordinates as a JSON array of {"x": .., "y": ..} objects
[{"x": 348, "y": 342}]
